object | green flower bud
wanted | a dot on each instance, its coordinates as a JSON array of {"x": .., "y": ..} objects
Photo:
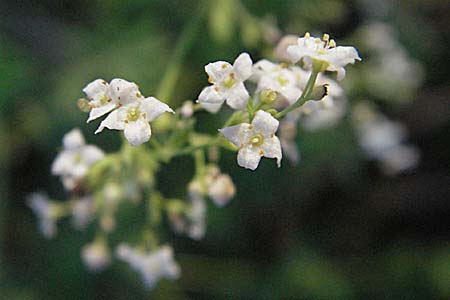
[
  {"x": 83, "y": 105},
  {"x": 319, "y": 92},
  {"x": 268, "y": 96}
]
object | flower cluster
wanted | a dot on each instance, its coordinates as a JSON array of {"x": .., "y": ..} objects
[{"x": 265, "y": 97}]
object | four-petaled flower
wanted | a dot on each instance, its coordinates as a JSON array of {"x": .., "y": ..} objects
[
  {"x": 255, "y": 140},
  {"x": 227, "y": 84},
  {"x": 151, "y": 266},
  {"x": 278, "y": 78},
  {"x": 73, "y": 162},
  {"x": 324, "y": 50},
  {"x": 133, "y": 118}
]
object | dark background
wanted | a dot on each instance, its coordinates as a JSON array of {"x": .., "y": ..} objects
[{"x": 333, "y": 227}]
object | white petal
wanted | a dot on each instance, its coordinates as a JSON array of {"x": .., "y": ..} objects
[
  {"x": 124, "y": 92},
  {"x": 237, "y": 96},
  {"x": 95, "y": 87},
  {"x": 63, "y": 163},
  {"x": 211, "y": 107},
  {"x": 237, "y": 134},
  {"x": 218, "y": 70},
  {"x": 272, "y": 149},
  {"x": 73, "y": 139},
  {"x": 114, "y": 120},
  {"x": 243, "y": 66},
  {"x": 291, "y": 94},
  {"x": 294, "y": 53},
  {"x": 210, "y": 95},
  {"x": 265, "y": 123},
  {"x": 249, "y": 157},
  {"x": 154, "y": 108},
  {"x": 137, "y": 132},
  {"x": 97, "y": 112},
  {"x": 91, "y": 154}
]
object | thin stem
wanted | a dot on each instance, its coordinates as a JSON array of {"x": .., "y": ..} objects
[
  {"x": 184, "y": 44},
  {"x": 304, "y": 97}
]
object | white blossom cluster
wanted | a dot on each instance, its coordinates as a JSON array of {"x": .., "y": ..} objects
[{"x": 266, "y": 98}]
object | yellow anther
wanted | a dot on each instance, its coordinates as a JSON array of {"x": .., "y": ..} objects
[
  {"x": 325, "y": 37},
  {"x": 307, "y": 35},
  {"x": 318, "y": 41},
  {"x": 283, "y": 65},
  {"x": 210, "y": 79},
  {"x": 133, "y": 114},
  {"x": 224, "y": 66},
  {"x": 332, "y": 44}
]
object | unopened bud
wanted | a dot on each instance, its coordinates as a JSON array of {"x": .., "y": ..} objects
[
  {"x": 187, "y": 109},
  {"x": 222, "y": 190},
  {"x": 268, "y": 96},
  {"x": 96, "y": 256},
  {"x": 83, "y": 105},
  {"x": 319, "y": 92}
]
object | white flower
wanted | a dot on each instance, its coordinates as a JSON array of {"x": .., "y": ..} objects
[
  {"x": 151, "y": 266},
  {"x": 276, "y": 77},
  {"x": 96, "y": 256},
  {"x": 221, "y": 190},
  {"x": 196, "y": 213},
  {"x": 134, "y": 117},
  {"x": 383, "y": 140},
  {"x": 255, "y": 140},
  {"x": 100, "y": 102},
  {"x": 336, "y": 58},
  {"x": 227, "y": 83},
  {"x": 82, "y": 212},
  {"x": 46, "y": 211},
  {"x": 73, "y": 162}
]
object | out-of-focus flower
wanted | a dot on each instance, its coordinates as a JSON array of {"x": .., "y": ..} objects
[
  {"x": 96, "y": 255},
  {"x": 383, "y": 140},
  {"x": 227, "y": 83},
  {"x": 133, "y": 118},
  {"x": 151, "y": 266},
  {"x": 196, "y": 211},
  {"x": 83, "y": 210},
  {"x": 280, "y": 51},
  {"x": 333, "y": 58},
  {"x": 73, "y": 162},
  {"x": 276, "y": 77},
  {"x": 255, "y": 140},
  {"x": 46, "y": 211},
  {"x": 187, "y": 109},
  {"x": 221, "y": 190}
]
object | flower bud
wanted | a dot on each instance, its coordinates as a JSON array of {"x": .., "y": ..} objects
[
  {"x": 268, "y": 96},
  {"x": 319, "y": 92},
  {"x": 187, "y": 109},
  {"x": 222, "y": 190},
  {"x": 96, "y": 255},
  {"x": 83, "y": 105}
]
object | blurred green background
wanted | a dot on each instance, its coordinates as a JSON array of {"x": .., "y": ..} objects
[{"x": 333, "y": 227}]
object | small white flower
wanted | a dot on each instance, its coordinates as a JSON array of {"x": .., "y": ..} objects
[
  {"x": 96, "y": 256},
  {"x": 82, "y": 212},
  {"x": 221, "y": 190},
  {"x": 187, "y": 109},
  {"x": 255, "y": 140},
  {"x": 227, "y": 83},
  {"x": 276, "y": 77},
  {"x": 196, "y": 213},
  {"x": 99, "y": 96},
  {"x": 134, "y": 117},
  {"x": 73, "y": 162},
  {"x": 309, "y": 48},
  {"x": 46, "y": 211},
  {"x": 151, "y": 266}
]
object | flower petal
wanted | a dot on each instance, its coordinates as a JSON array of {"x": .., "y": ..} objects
[
  {"x": 211, "y": 107},
  {"x": 91, "y": 154},
  {"x": 114, "y": 120},
  {"x": 243, "y": 66},
  {"x": 264, "y": 123},
  {"x": 237, "y": 134},
  {"x": 272, "y": 149},
  {"x": 97, "y": 112},
  {"x": 73, "y": 139},
  {"x": 218, "y": 70},
  {"x": 63, "y": 163},
  {"x": 137, "y": 132},
  {"x": 237, "y": 96},
  {"x": 249, "y": 157},
  {"x": 95, "y": 87},
  {"x": 154, "y": 108},
  {"x": 124, "y": 92},
  {"x": 211, "y": 95}
]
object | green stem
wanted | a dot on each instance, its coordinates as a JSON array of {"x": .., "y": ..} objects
[
  {"x": 304, "y": 97},
  {"x": 184, "y": 44}
]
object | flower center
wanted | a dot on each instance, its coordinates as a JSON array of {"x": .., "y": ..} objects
[
  {"x": 104, "y": 100},
  {"x": 282, "y": 81},
  {"x": 133, "y": 114},
  {"x": 257, "y": 140},
  {"x": 229, "y": 81}
]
